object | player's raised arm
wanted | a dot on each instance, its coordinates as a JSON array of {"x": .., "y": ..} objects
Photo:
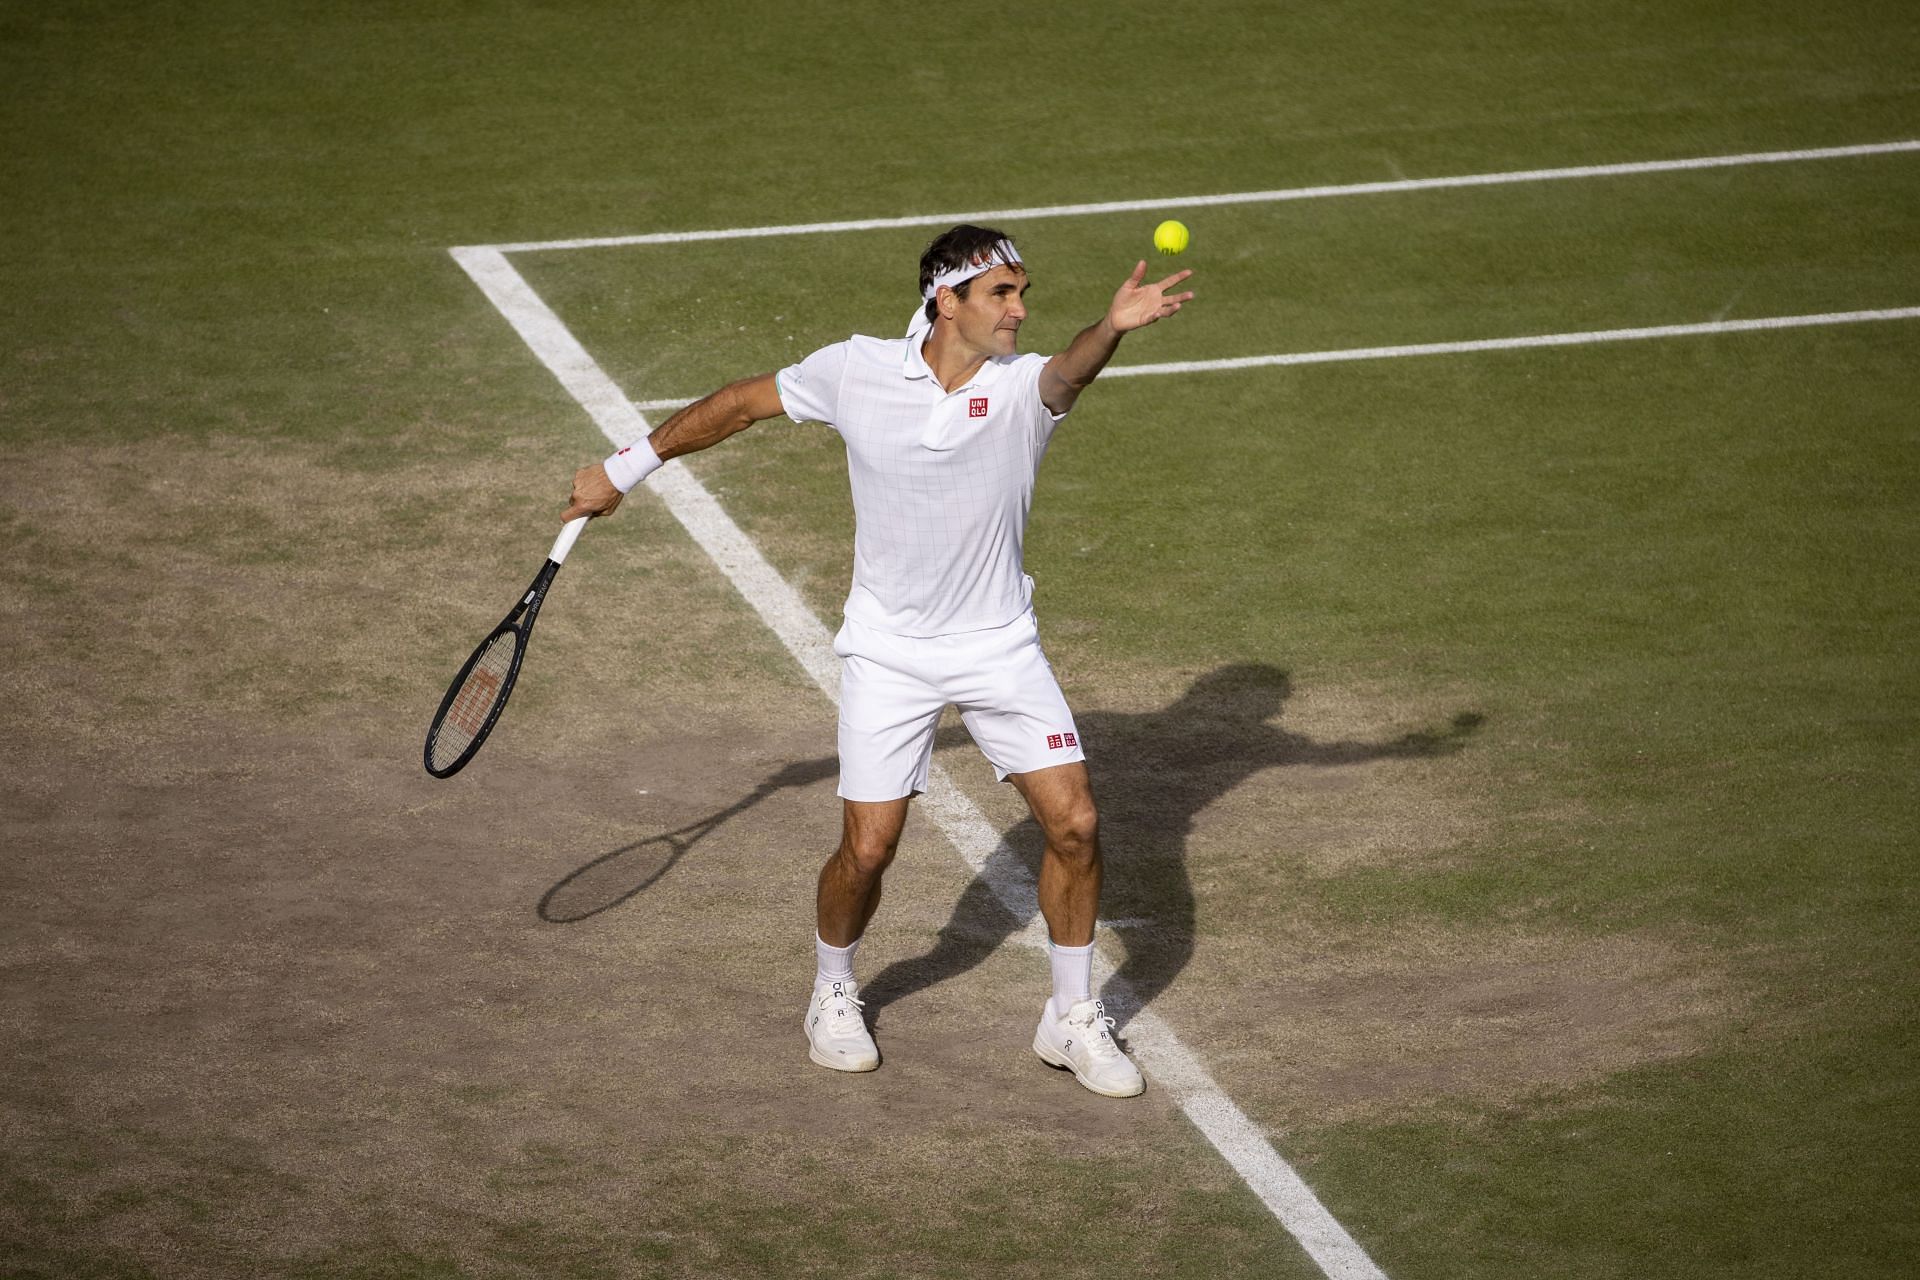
[
  {"x": 1135, "y": 306},
  {"x": 597, "y": 489}
]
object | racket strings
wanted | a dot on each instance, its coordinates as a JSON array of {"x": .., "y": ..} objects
[{"x": 479, "y": 694}]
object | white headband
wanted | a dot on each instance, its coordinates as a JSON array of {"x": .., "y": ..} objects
[{"x": 1002, "y": 254}]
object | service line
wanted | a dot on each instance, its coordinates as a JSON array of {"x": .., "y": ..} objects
[
  {"x": 1173, "y": 1066},
  {"x": 1580, "y": 339}
]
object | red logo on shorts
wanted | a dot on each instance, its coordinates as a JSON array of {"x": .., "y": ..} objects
[
  {"x": 1053, "y": 742},
  {"x": 977, "y": 407},
  {"x": 1070, "y": 741}
]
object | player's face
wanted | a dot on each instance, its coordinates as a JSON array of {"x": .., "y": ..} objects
[{"x": 989, "y": 317}]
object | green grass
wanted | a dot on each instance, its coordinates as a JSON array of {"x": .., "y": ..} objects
[
  {"x": 1676, "y": 578},
  {"x": 1797, "y": 1135}
]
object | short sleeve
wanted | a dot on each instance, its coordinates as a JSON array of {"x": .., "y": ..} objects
[
  {"x": 810, "y": 390},
  {"x": 1028, "y": 370}
]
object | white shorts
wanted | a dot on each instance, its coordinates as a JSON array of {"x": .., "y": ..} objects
[{"x": 893, "y": 689}]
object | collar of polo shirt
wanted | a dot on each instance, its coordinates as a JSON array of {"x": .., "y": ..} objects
[{"x": 916, "y": 366}]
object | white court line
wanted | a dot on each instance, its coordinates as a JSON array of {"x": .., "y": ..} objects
[
  {"x": 1171, "y": 1064},
  {"x": 1457, "y": 348},
  {"x": 1229, "y": 198},
  {"x": 1515, "y": 344}
]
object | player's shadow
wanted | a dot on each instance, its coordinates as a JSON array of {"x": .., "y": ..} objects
[
  {"x": 620, "y": 874},
  {"x": 1153, "y": 774}
]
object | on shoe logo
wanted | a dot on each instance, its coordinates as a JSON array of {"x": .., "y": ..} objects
[{"x": 977, "y": 407}]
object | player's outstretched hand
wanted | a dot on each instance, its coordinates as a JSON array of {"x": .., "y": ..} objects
[
  {"x": 593, "y": 494},
  {"x": 1138, "y": 305}
]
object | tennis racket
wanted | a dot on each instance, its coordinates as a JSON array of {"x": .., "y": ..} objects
[{"x": 479, "y": 693}]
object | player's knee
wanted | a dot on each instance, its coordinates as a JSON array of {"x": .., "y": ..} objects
[
  {"x": 868, "y": 855},
  {"x": 1075, "y": 835}
]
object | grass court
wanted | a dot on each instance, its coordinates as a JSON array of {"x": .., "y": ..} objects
[{"x": 1507, "y": 756}]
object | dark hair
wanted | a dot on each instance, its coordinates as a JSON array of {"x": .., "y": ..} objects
[{"x": 956, "y": 248}]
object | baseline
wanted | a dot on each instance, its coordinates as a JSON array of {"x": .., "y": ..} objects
[
  {"x": 1238, "y": 1139},
  {"x": 1561, "y": 174}
]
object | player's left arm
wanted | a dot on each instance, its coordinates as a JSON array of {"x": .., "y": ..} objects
[{"x": 1135, "y": 306}]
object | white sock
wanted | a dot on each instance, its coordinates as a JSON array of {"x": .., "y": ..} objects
[
  {"x": 833, "y": 964},
  {"x": 1072, "y": 975}
]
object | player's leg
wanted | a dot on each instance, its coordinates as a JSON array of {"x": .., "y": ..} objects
[
  {"x": 887, "y": 721},
  {"x": 1075, "y": 1031},
  {"x": 1061, "y": 799},
  {"x": 849, "y": 888},
  {"x": 1021, "y": 721},
  {"x": 1013, "y": 707}
]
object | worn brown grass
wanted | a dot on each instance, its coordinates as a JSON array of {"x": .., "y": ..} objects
[{"x": 274, "y": 994}]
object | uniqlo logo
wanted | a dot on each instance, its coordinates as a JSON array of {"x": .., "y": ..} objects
[
  {"x": 977, "y": 407},
  {"x": 1070, "y": 741},
  {"x": 1053, "y": 742}
]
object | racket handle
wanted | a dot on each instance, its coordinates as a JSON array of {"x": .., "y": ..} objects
[{"x": 569, "y": 534}]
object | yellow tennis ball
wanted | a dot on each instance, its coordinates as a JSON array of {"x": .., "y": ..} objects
[{"x": 1170, "y": 237}]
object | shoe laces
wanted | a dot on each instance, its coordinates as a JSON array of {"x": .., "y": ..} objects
[
  {"x": 840, "y": 991},
  {"x": 1098, "y": 1035}
]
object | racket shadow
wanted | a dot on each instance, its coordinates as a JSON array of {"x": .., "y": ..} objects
[{"x": 620, "y": 875}]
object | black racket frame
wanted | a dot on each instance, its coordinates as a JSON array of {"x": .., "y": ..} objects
[{"x": 521, "y": 619}]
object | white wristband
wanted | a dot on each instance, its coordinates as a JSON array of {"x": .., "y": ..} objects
[{"x": 632, "y": 464}]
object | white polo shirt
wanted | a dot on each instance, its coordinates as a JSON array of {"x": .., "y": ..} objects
[{"x": 942, "y": 480}]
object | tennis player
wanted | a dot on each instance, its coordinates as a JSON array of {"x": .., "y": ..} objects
[{"x": 944, "y": 429}]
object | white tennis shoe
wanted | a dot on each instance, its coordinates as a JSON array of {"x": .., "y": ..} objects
[
  {"x": 1081, "y": 1040},
  {"x": 837, "y": 1035}
]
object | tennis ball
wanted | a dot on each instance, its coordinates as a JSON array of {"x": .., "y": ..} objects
[{"x": 1170, "y": 237}]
